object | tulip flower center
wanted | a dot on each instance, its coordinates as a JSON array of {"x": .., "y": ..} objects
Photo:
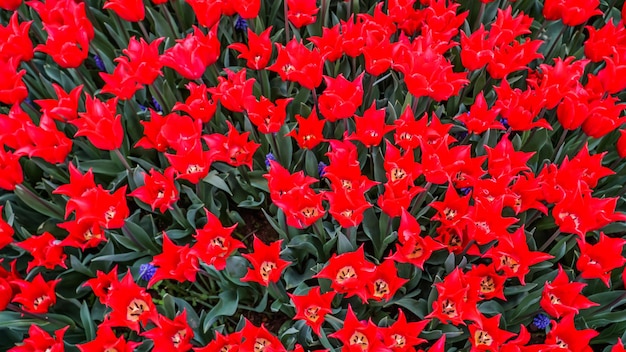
[
  {"x": 261, "y": 344},
  {"x": 573, "y": 217},
  {"x": 455, "y": 240},
  {"x": 110, "y": 214},
  {"x": 191, "y": 169},
  {"x": 88, "y": 235},
  {"x": 218, "y": 242},
  {"x": 347, "y": 213},
  {"x": 399, "y": 340},
  {"x": 136, "y": 308},
  {"x": 309, "y": 212},
  {"x": 311, "y": 313},
  {"x": 178, "y": 337},
  {"x": 344, "y": 274},
  {"x": 39, "y": 300},
  {"x": 561, "y": 343},
  {"x": 450, "y": 214},
  {"x": 266, "y": 269},
  {"x": 226, "y": 348},
  {"x": 483, "y": 226},
  {"x": 397, "y": 174},
  {"x": 511, "y": 263},
  {"x": 487, "y": 284},
  {"x": 417, "y": 251},
  {"x": 554, "y": 299},
  {"x": 110, "y": 350},
  {"x": 358, "y": 338},
  {"x": 381, "y": 288},
  {"x": 448, "y": 307},
  {"x": 288, "y": 68},
  {"x": 372, "y": 133},
  {"x": 405, "y": 136},
  {"x": 346, "y": 184},
  {"x": 482, "y": 338}
]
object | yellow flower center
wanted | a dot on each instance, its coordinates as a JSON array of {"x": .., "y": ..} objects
[
  {"x": 344, "y": 274},
  {"x": 309, "y": 212},
  {"x": 39, "y": 300},
  {"x": 261, "y": 344},
  {"x": 482, "y": 338},
  {"x": 487, "y": 284},
  {"x": 509, "y": 262},
  {"x": 266, "y": 269},
  {"x": 448, "y": 307},
  {"x": 311, "y": 313},
  {"x": 397, "y": 174},
  {"x": 359, "y": 339},
  {"x": 381, "y": 288},
  {"x": 399, "y": 341},
  {"x": 136, "y": 308}
]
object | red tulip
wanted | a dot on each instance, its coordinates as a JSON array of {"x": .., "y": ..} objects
[
  {"x": 39, "y": 340},
  {"x": 486, "y": 333},
  {"x": 258, "y": 51},
  {"x": 198, "y": 105},
  {"x": 215, "y": 243},
  {"x": 100, "y": 124},
  {"x": 10, "y": 5},
  {"x": 349, "y": 273},
  {"x": 158, "y": 190},
  {"x": 191, "y": 56},
  {"x": 234, "y": 149},
  {"x": 301, "y": 12},
  {"x": 178, "y": 263},
  {"x": 46, "y": 251},
  {"x": 107, "y": 339},
  {"x": 15, "y": 41},
  {"x": 10, "y": 170},
  {"x": 233, "y": 91},
  {"x": 12, "y": 87},
  {"x": 36, "y": 296},
  {"x": 571, "y": 12},
  {"x": 66, "y": 47},
  {"x": 65, "y": 107},
  {"x": 309, "y": 133},
  {"x": 171, "y": 335},
  {"x": 312, "y": 307},
  {"x": 297, "y": 63},
  {"x": 130, "y": 305},
  {"x": 267, "y": 266},
  {"x": 128, "y": 10},
  {"x": 208, "y": 13},
  {"x": 359, "y": 335},
  {"x": 341, "y": 98}
]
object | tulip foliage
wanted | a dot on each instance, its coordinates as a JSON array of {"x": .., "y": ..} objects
[{"x": 312, "y": 175}]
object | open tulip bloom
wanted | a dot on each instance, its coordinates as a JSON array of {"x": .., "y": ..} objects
[{"x": 312, "y": 175}]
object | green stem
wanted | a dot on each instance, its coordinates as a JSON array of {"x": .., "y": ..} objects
[
  {"x": 170, "y": 19},
  {"x": 420, "y": 199},
  {"x": 120, "y": 156},
  {"x": 554, "y": 43},
  {"x": 274, "y": 145},
  {"x": 608, "y": 306},
  {"x": 479, "y": 18},
  {"x": 550, "y": 240},
  {"x": 559, "y": 145},
  {"x": 42, "y": 317},
  {"x": 287, "y": 29},
  {"x": 38, "y": 199},
  {"x": 144, "y": 31}
]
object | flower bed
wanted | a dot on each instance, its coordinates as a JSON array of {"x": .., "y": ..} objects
[{"x": 312, "y": 175}]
